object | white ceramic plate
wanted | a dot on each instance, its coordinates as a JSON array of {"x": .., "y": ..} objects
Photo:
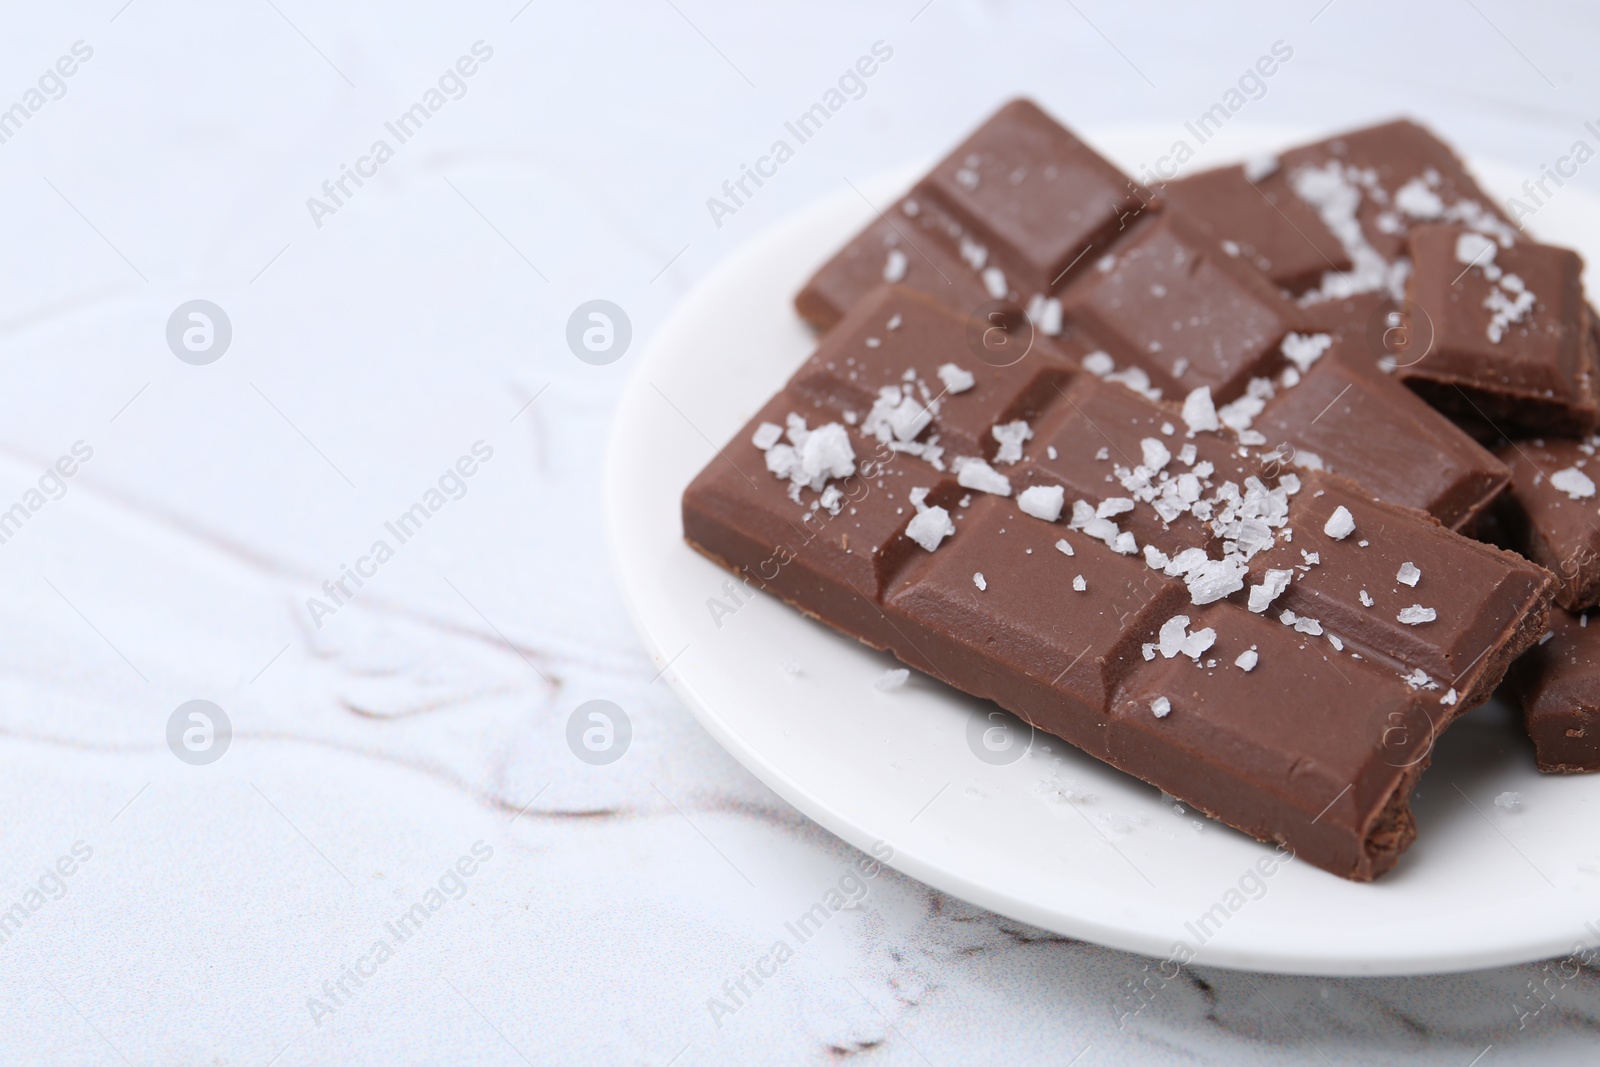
[{"x": 1055, "y": 839}]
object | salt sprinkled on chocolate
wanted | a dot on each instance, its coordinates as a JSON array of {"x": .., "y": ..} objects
[
  {"x": 1248, "y": 659},
  {"x": 1340, "y": 524},
  {"x": 1161, "y": 707},
  {"x": 1259, "y": 167},
  {"x": 955, "y": 379},
  {"x": 1077, "y": 583},
  {"x": 977, "y": 580},
  {"x": 1574, "y": 483},
  {"x": 1011, "y": 436},
  {"x": 1416, "y": 614},
  {"x": 976, "y": 474},
  {"x": 1408, "y": 574},
  {"x": 1366, "y": 599},
  {"x": 1042, "y": 501},
  {"x": 1065, "y": 546},
  {"x": 1098, "y": 364},
  {"x": 1305, "y": 349},
  {"x": 930, "y": 526},
  {"x": 894, "y": 266},
  {"x": 994, "y": 280},
  {"x": 766, "y": 435},
  {"x": 1273, "y": 583}
]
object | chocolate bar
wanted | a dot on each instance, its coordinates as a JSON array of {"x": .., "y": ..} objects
[
  {"x": 1500, "y": 336},
  {"x": 1152, "y": 582},
  {"x": 1552, "y": 515},
  {"x": 1026, "y": 217},
  {"x": 1558, "y": 686}
]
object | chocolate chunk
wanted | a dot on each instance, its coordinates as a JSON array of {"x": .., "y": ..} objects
[
  {"x": 1169, "y": 300},
  {"x": 1268, "y": 227},
  {"x": 1012, "y": 213},
  {"x": 1351, "y": 418},
  {"x": 1366, "y": 190},
  {"x": 1157, "y": 289},
  {"x": 1035, "y": 196},
  {"x": 1206, "y": 580},
  {"x": 1504, "y": 335},
  {"x": 1558, "y": 687},
  {"x": 1552, "y": 515}
]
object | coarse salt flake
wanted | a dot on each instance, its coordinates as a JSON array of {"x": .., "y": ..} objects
[
  {"x": 894, "y": 266},
  {"x": 1079, "y": 584},
  {"x": 977, "y": 580},
  {"x": 929, "y": 527},
  {"x": 1042, "y": 501},
  {"x": 1416, "y": 614},
  {"x": 1340, "y": 524},
  {"x": 976, "y": 474},
  {"x": 1248, "y": 659},
  {"x": 1161, "y": 707},
  {"x": 1408, "y": 574},
  {"x": 892, "y": 679},
  {"x": 1574, "y": 483},
  {"x": 955, "y": 379}
]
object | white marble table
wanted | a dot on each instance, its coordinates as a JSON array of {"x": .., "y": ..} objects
[{"x": 399, "y": 755}]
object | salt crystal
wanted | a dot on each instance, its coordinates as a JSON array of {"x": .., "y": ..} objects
[
  {"x": 1416, "y": 614},
  {"x": 1161, "y": 707},
  {"x": 976, "y": 474},
  {"x": 929, "y": 527},
  {"x": 1248, "y": 659},
  {"x": 1305, "y": 349},
  {"x": 1340, "y": 524},
  {"x": 1418, "y": 201},
  {"x": 1155, "y": 558},
  {"x": 994, "y": 280},
  {"x": 1125, "y": 544},
  {"x": 1011, "y": 436},
  {"x": 1199, "y": 413},
  {"x": 977, "y": 580},
  {"x": 1450, "y": 697},
  {"x": 1308, "y": 626},
  {"x": 1258, "y": 167},
  {"x": 1064, "y": 546},
  {"x": 1366, "y": 599},
  {"x": 1475, "y": 249},
  {"x": 1509, "y": 801},
  {"x": 1408, "y": 574},
  {"x": 892, "y": 679},
  {"x": 766, "y": 435},
  {"x": 894, "y": 267},
  {"x": 1196, "y": 643},
  {"x": 1098, "y": 364},
  {"x": 1042, "y": 501},
  {"x": 1156, "y": 454},
  {"x": 1114, "y": 505},
  {"x": 1574, "y": 483},
  {"x": 1079, "y": 584},
  {"x": 1170, "y": 637},
  {"x": 955, "y": 379},
  {"x": 1273, "y": 584},
  {"x": 1214, "y": 579}
]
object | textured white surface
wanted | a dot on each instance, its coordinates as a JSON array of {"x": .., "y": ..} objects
[{"x": 367, "y": 355}]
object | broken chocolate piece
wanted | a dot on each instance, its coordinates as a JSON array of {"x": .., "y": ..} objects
[
  {"x": 1558, "y": 687},
  {"x": 1504, "y": 333},
  {"x": 1206, "y": 633},
  {"x": 1552, "y": 514}
]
